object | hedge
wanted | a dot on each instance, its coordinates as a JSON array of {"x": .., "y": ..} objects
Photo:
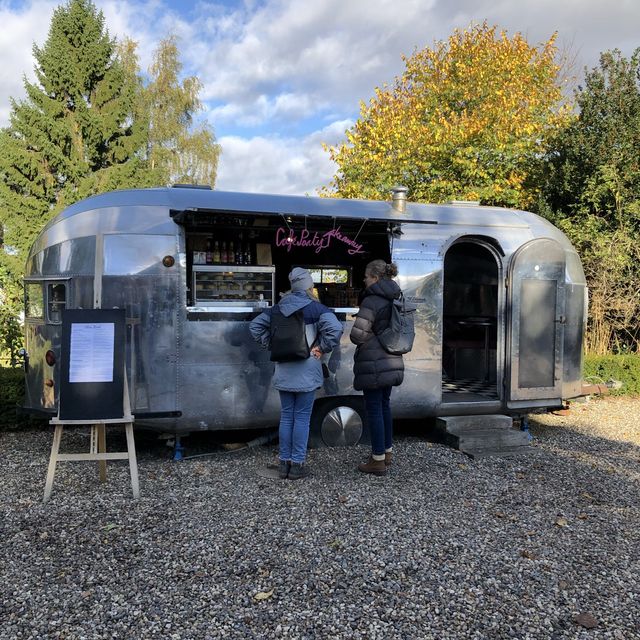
[
  {"x": 621, "y": 368},
  {"x": 11, "y": 395}
]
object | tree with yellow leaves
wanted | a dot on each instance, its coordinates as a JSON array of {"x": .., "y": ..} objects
[{"x": 468, "y": 119}]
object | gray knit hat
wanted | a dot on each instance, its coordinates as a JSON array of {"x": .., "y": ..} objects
[{"x": 300, "y": 279}]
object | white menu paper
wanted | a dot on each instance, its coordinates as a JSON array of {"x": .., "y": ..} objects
[{"x": 91, "y": 357}]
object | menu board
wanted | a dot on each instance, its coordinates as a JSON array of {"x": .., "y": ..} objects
[
  {"x": 91, "y": 352},
  {"x": 92, "y": 363}
]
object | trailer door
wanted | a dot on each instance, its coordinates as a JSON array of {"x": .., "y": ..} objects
[
  {"x": 135, "y": 278},
  {"x": 536, "y": 300}
]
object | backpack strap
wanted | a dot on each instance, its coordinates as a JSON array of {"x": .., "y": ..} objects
[{"x": 390, "y": 307}]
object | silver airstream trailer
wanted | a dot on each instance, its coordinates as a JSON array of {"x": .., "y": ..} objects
[{"x": 500, "y": 297}]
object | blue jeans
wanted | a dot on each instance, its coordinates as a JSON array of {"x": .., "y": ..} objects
[
  {"x": 378, "y": 411},
  {"x": 294, "y": 424}
]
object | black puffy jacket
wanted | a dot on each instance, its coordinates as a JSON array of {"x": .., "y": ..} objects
[{"x": 373, "y": 367}]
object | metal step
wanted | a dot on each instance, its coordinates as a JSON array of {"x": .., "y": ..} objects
[
  {"x": 498, "y": 438},
  {"x": 502, "y": 452},
  {"x": 483, "y": 435},
  {"x": 458, "y": 424}
]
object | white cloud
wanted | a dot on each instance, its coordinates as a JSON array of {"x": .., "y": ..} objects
[
  {"x": 279, "y": 68},
  {"x": 147, "y": 22},
  {"x": 332, "y": 54},
  {"x": 289, "y": 106},
  {"x": 329, "y": 54},
  {"x": 279, "y": 165},
  {"x": 328, "y": 48},
  {"x": 586, "y": 27},
  {"x": 20, "y": 28},
  {"x": 277, "y": 61}
]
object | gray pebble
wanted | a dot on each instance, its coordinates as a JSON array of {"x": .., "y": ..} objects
[{"x": 433, "y": 550}]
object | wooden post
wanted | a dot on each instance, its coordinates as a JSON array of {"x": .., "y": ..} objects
[
  {"x": 53, "y": 460},
  {"x": 133, "y": 463},
  {"x": 102, "y": 448},
  {"x": 97, "y": 446}
]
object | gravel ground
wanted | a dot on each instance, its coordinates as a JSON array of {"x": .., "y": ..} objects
[{"x": 542, "y": 546}]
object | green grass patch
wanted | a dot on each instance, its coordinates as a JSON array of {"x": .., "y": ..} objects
[{"x": 624, "y": 368}]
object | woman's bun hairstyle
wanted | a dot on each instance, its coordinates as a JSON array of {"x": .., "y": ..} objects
[
  {"x": 381, "y": 269},
  {"x": 391, "y": 270}
]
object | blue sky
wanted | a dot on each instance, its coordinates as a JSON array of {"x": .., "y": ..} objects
[{"x": 281, "y": 77}]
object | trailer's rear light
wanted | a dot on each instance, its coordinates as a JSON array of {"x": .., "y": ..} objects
[
  {"x": 49, "y": 382},
  {"x": 50, "y": 357}
]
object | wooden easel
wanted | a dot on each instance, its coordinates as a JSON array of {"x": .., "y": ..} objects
[{"x": 97, "y": 447}]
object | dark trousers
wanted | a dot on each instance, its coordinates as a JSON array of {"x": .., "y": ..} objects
[{"x": 378, "y": 410}]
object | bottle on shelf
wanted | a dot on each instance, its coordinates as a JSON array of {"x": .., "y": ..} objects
[
  {"x": 223, "y": 252},
  {"x": 239, "y": 258},
  {"x": 231, "y": 254},
  {"x": 247, "y": 254},
  {"x": 209, "y": 252},
  {"x": 216, "y": 253}
]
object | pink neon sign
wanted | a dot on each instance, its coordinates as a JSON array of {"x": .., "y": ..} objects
[{"x": 314, "y": 240}]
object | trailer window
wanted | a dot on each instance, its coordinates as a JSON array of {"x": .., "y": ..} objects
[
  {"x": 131, "y": 254},
  {"x": 323, "y": 275},
  {"x": 33, "y": 300},
  {"x": 56, "y": 301}
]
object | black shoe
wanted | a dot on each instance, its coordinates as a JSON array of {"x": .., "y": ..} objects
[
  {"x": 283, "y": 469},
  {"x": 298, "y": 470}
]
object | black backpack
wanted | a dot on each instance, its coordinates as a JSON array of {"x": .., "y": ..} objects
[
  {"x": 397, "y": 338},
  {"x": 288, "y": 336}
]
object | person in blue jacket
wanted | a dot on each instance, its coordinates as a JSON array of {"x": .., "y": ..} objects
[{"x": 297, "y": 381}]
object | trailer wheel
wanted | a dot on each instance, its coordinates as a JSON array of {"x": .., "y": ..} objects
[{"x": 338, "y": 422}]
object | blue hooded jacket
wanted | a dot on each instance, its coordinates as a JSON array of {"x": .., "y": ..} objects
[{"x": 323, "y": 330}]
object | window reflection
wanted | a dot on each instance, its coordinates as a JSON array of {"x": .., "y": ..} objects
[
  {"x": 34, "y": 306},
  {"x": 331, "y": 275}
]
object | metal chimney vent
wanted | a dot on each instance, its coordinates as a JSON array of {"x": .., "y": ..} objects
[{"x": 399, "y": 198}]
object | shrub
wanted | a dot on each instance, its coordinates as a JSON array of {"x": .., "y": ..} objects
[
  {"x": 11, "y": 396},
  {"x": 624, "y": 368}
]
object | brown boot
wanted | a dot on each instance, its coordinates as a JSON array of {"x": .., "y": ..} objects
[
  {"x": 388, "y": 457},
  {"x": 375, "y": 467}
]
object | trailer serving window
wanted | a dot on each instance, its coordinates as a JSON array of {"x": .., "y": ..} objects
[{"x": 336, "y": 250}]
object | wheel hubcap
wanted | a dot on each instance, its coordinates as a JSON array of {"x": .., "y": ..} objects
[{"x": 341, "y": 427}]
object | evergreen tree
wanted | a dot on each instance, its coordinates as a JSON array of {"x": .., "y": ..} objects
[
  {"x": 593, "y": 167},
  {"x": 89, "y": 125},
  {"x": 75, "y": 133}
]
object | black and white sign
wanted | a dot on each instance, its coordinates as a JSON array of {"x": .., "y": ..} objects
[
  {"x": 92, "y": 362},
  {"x": 91, "y": 352}
]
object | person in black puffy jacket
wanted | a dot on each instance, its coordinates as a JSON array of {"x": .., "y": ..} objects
[{"x": 375, "y": 370}]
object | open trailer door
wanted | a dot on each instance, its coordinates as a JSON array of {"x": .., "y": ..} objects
[{"x": 536, "y": 322}]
